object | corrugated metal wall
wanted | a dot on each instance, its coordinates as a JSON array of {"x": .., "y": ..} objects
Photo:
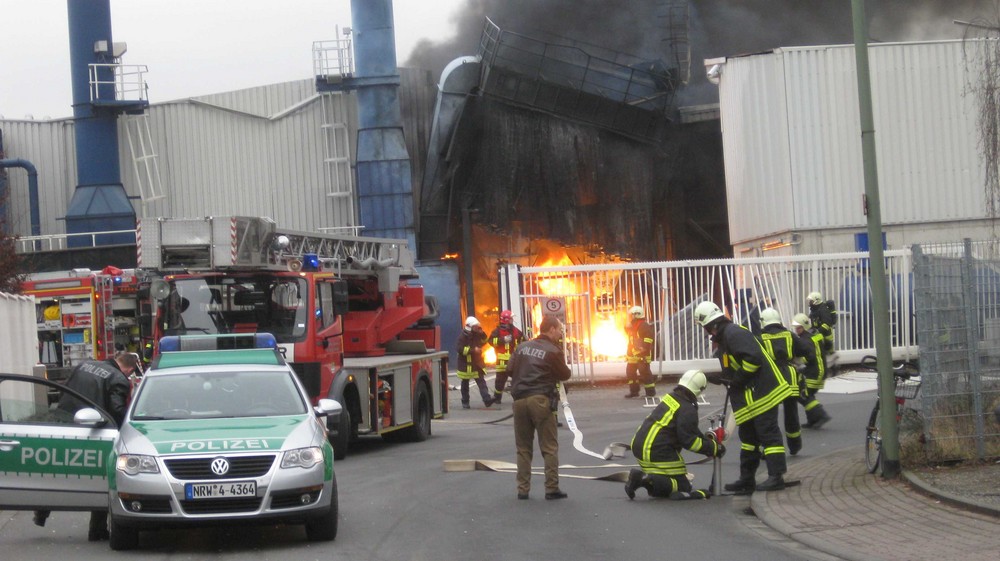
[
  {"x": 256, "y": 152},
  {"x": 793, "y": 142},
  {"x": 19, "y": 345}
]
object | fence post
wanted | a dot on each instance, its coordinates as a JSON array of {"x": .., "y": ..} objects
[{"x": 972, "y": 307}]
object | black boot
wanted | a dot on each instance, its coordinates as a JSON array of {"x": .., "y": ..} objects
[
  {"x": 497, "y": 398},
  {"x": 634, "y": 482},
  {"x": 773, "y": 483},
  {"x": 741, "y": 486},
  {"x": 465, "y": 405},
  {"x": 40, "y": 517},
  {"x": 794, "y": 445}
]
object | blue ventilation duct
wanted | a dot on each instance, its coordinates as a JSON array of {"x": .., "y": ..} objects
[
  {"x": 385, "y": 191},
  {"x": 99, "y": 202}
]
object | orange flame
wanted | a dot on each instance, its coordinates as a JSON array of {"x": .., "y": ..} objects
[{"x": 489, "y": 354}]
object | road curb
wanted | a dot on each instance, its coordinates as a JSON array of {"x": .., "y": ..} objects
[{"x": 926, "y": 488}]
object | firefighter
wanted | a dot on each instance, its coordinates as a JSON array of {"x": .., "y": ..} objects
[
  {"x": 756, "y": 386},
  {"x": 640, "y": 354},
  {"x": 470, "y": 361},
  {"x": 657, "y": 444},
  {"x": 814, "y": 372},
  {"x": 784, "y": 346},
  {"x": 823, "y": 316},
  {"x": 505, "y": 338}
]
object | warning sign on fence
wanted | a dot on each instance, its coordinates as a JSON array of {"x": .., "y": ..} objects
[{"x": 554, "y": 306}]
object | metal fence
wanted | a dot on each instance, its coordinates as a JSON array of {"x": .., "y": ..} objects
[
  {"x": 594, "y": 300},
  {"x": 957, "y": 302}
]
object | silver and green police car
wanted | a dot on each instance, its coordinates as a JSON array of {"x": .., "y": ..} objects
[{"x": 220, "y": 430}]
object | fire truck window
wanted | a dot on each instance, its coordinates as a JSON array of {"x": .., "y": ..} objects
[{"x": 327, "y": 314}]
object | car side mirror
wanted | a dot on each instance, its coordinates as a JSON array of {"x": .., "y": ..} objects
[
  {"x": 328, "y": 408},
  {"x": 89, "y": 417}
]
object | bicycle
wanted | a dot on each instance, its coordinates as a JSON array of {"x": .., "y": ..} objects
[{"x": 906, "y": 377}]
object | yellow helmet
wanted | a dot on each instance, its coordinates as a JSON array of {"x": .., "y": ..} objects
[
  {"x": 769, "y": 316},
  {"x": 694, "y": 380},
  {"x": 802, "y": 320},
  {"x": 815, "y": 298}
]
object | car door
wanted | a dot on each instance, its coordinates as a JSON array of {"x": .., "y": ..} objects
[{"x": 47, "y": 459}]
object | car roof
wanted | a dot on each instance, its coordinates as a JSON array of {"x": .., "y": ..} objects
[{"x": 215, "y": 368}]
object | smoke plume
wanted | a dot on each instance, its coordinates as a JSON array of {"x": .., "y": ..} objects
[{"x": 716, "y": 27}]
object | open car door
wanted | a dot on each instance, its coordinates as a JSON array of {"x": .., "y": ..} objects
[{"x": 51, "y": 459}]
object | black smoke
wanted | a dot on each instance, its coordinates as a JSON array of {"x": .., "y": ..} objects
[{"x": 717, "y": 27}]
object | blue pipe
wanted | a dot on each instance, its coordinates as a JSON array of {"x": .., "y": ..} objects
[{"x": 36, "y": 220}]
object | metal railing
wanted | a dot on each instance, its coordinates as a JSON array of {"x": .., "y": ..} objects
[
  {"x": 333, "y": 58},
  {"x": 596, "y": 299},
  {"x": 58, "y": 242},
  {"x": 118, "y": 82}
]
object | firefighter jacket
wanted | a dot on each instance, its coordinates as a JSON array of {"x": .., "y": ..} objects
[
  {"x": 784, "y": 346},
  {"x": 470, "y": 353},
  {"x": 103, "y": 383},
  {"x": 505, "y": 338},
  {"x": 823, "y": 317},
  {"x": 535, "y": 367},
  {"x": 756, "y": 383},
  {"x": 672, "y": 426},
  {"x": 640, "y": 341},
  {"x": 815, "y": 368}
]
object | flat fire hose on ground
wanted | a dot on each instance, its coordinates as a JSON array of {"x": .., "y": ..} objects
[
  {"x": 499, "y": 466},
  {"x": 571, "y": 423}
]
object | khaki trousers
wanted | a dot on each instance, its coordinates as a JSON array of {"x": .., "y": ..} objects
[{"x": 533, "y": 414}]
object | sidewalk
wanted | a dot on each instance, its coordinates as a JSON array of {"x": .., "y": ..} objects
[{"x": 842, "y": 510}]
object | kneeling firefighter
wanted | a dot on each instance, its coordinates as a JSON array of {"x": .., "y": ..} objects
[{"x": 657, "y": 444}]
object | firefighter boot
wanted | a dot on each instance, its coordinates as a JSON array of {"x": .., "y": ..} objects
[
  {"x": 794, "y": 444},
  {"x": 634, "y": 482},
  {"x": 40, "y": 517},
  {"x": 816, "y": 417},
  {"x": 497, "y": 398},
  {"x": 690, "y": 495},
  {"x": 773, "y": 483},
  {"x": 651, "y": 390},
  {"x": 465, "y": 405},
  {"x": 741, "y": 486}
]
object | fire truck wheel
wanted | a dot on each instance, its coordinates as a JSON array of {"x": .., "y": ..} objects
[
  {"x": 342, "y": 440},
  {"x": 421, "y": 427},
  {"x": 324, "y": 528}
]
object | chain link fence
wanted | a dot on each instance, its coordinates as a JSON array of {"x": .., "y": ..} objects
[{"x": 957, "y": 309}]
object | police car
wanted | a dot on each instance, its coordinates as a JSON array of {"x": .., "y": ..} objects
[{"x": 220, "y": 430}]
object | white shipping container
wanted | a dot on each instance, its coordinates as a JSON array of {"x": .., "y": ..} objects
[{"x": 792, "y": 145}]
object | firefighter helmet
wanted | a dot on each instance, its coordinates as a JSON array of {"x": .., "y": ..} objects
[
  {"x": 706, "y": 313},
  {"x": 695, "y": 381},
  {"x": 815, "y": 298},
  {"x": 506, "y": 316},
  {"x": 471, "y": 321},
  {"x": 769, "y": 316},
  {"x": 636, "y": 312},
  {"x": 802, "y": 320}
]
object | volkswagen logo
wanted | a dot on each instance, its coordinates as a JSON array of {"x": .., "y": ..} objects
[{"x": 220, "y": 466}]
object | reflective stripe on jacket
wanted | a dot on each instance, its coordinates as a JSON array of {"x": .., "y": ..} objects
[{"x": 757, "y": 384}]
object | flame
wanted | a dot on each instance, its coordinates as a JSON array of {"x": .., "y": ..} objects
[
  {"x": 607, "y": 339},
  {"x": 489, "y": 354}
]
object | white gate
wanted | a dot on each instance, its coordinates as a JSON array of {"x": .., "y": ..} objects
[{"x": 597, "y": 298}]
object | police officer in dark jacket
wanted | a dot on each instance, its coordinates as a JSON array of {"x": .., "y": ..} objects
[
  {"x": 756, "y": 388},
  {"x": 535, "y": 368},
  {"x": 657, "y": 444},
  {"x": 106, "y": 384}
]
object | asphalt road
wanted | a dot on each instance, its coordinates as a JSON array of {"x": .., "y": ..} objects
[{"x": 398, "y": 503}]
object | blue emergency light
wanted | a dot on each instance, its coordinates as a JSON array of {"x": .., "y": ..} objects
[
  {"x": 229, "y": 341},
  {"x": 310, "y": 262}
]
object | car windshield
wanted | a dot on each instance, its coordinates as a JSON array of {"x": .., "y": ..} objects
[
  {"x": 212, "y": 304},
  {"x": 213, "y": 395}
]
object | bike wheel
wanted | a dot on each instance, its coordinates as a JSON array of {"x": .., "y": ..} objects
[{"x": 873, "y": 440}]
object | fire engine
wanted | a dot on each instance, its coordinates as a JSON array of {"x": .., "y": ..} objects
[
  {"x": 344, "y": 310},
  {"x": 83, "y": 315}
]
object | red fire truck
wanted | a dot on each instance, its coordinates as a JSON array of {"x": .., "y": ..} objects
[
  {"x": 345, "y": 311},
  {"x": 83, "y": 315}
]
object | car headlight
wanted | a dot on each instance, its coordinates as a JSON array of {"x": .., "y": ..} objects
[
  {"x": 302, "y": 457},
  {"x": 133, "y": 464}
]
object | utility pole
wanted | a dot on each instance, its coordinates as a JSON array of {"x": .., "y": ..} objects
[{"x": 876, "y": 259}]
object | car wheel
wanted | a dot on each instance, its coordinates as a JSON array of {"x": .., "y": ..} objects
[
  {"x": 324, "y": 528},
  {"x": 122, "y": 538}
]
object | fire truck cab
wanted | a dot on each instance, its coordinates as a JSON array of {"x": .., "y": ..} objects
[{"x": 343, "y": 310}]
